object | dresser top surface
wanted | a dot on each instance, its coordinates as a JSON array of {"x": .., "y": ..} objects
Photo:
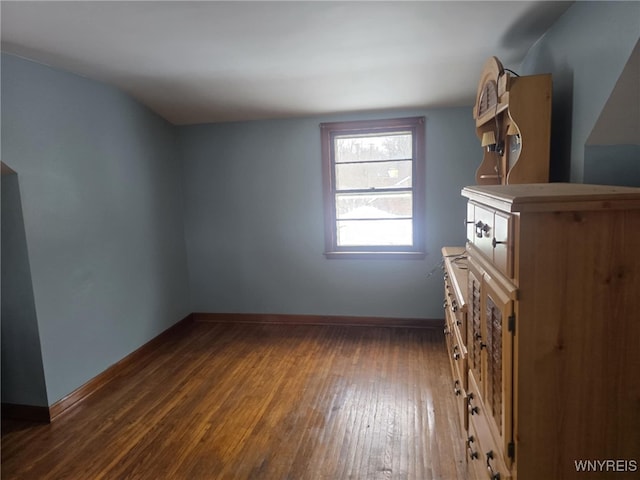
[
  {"x": 455, "y": 259},
  {"x": 554, "y": 196}
]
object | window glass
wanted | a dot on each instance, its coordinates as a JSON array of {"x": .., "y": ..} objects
[{"x": 373, "y": 183}]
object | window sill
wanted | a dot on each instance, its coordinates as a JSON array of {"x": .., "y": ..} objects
[{"x": 369, "y": 255}]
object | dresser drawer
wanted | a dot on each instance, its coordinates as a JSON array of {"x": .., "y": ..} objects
[
  {"x": 470, "y": 221},
  {"x": 483, "y": 230},
  {"x": 493, "y": 236},
  {"x": 457, "y": 352},
  {"x": 455, "y": 307},
  {"x": 487, "y": 463},
  {"x": 492, "y": 449},
  {"x": 458, "y": 360},
  {"x": 481, "y": 462},
  {"x": 476, "y": 461}
]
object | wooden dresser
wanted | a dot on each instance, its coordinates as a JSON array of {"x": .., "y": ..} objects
[{"x": 543, "y": 331}]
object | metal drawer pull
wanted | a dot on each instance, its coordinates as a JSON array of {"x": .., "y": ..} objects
[
  {"x": 495, "y": 242},
  {"x": 492, "y": 475},
  {"x": 470, "y": 408},
  {"x": 472, "y": 454},
  {"x": 456, "y": 353},
  {"x": 456, "y": 388},
  {"x": 482, "y": 229}
]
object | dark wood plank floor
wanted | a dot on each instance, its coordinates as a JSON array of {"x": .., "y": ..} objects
[{"x": 224, "y": 401}]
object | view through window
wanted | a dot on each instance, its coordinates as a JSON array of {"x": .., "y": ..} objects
[{"x": 374, "y": 185}]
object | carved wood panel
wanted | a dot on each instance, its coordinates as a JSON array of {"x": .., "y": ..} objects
[{"x": 494, "y": 360}]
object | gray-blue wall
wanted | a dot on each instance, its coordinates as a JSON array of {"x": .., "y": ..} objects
[
  {"x": 102, "y": 204},
  {"x": 22, "y": 369},
  {"x": 586, "y": 51},
  {"x": 612, "y": 164},
  {"x": 131, "y": 223},
  {"x": 254, "y": 220}
]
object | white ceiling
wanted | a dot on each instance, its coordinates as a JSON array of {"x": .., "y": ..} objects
[{"x": 205, "y": 61}]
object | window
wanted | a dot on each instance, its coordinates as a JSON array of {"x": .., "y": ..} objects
[{"x": 373, "y": 181}]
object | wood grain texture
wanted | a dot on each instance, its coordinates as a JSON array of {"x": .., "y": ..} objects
[
  {"x": 585, "y": 348},
  {"x": 575, "y": 394},
  {"x": 99, "y": 381},
  {"x": 554, "y": 197},
  {"x": 237, "y": 401}
]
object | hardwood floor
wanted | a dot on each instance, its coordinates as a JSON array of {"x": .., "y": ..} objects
[{"x": 225, "y": 401}]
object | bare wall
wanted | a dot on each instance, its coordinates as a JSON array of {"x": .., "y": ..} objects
[
  {"x": 102, "y": 207},
  {"x": 586, "y": 51},
  {"x": 254, "y": 220},
  {"x": 22, "y": 369}
]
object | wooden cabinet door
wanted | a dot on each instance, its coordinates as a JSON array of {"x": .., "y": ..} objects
[{"x": 497, "y": 357}]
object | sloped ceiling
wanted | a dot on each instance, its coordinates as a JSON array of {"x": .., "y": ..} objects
[
  {"x": 619, "y": 122},
  {"x": 196, "y": 62}
]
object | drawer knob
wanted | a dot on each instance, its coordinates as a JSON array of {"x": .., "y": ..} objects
[
  {"x": 473, "y": 455},
  {"x": 456, "y": 388},
  {"x": 482, "y": 229},
  {"x": 495, "y": 242},
  {"x": 470, "y": 408}
]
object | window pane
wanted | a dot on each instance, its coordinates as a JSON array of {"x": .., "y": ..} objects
[
  {"x": 374, "y": 205},
  {"x": 365, "y": 148},
  {"x": 374, "y": 232},
  {"x": 395, "y": 174},
  {"x": 373, "y": 187}
]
